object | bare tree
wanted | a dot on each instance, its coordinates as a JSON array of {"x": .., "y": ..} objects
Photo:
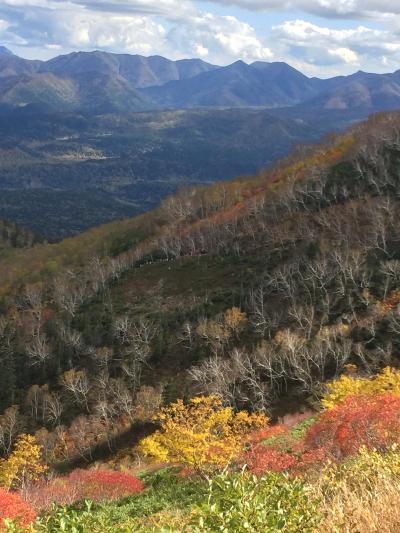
[{"x": 77, "y": 384}]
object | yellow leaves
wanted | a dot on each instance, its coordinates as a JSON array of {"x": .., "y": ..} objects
[
  {"x": 218, "y": 332},
  {"x": 367, "y": 467},
  {"x": 235, "y": 319},
  {"x": 337, "y": 391},
  {"x": 23, "y": 464},
  {"x": 203, "y": 434}
]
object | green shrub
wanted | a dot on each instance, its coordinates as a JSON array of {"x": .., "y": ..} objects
[
  {"x": 299, "y": 432},
  {"x": 74, "y": 520},
  {"x": 246, "y": 504}
]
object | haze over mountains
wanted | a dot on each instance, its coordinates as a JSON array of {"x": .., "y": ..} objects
[
  {"x": 90, "y": 137},
  {"x": 102, "y": 82}
]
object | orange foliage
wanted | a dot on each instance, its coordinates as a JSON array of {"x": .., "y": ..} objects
[
  {"x": 12, "y": 507},
  {"x": 95, "y": 485},
  {"x": 373, "y": 422},
  {"x": 391, "y": 302}
]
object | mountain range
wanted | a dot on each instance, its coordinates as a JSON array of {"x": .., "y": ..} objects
[{"x": 100, "y": 82}]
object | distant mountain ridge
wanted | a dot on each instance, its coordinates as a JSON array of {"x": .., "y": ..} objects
[
  {"x": 101, "y": 82},
  {"x": 238, "y": 85}
]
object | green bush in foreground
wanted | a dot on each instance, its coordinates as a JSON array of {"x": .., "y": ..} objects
[
  {"x": 239, "y": 503},
  {"x": 245, "y": 503}
]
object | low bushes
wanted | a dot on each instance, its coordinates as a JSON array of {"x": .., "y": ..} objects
[
  {"x": 371, "y": 421},
  {"x": 95, "y": 485},
  {"x": 13, "y": 508},
  {"x": 388, "y": 381},
  {"x": 245, "y": 503}
]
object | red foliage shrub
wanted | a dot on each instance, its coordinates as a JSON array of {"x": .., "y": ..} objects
[
  {"x": 14, "y": 508},
  {"x": 267, "y": 433},
  {"x": 261, "y": 459},
  {"x": 359, "y": 421},
  {"x": 275, "y": 449},
  {"x": 311, "y": 459},
  {"x": 338, "y": 433},
  {"x": 96, "y": 485}
]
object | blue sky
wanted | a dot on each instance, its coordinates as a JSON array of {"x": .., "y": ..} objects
[{"x": 319, "y": 37}]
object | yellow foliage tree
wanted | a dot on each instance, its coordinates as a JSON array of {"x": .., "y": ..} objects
[
  {"x": 337, "y": 391},
  {"x": 217, "y": 333},
  {"x": 23, "y": 464},
  {"x": 203, "y": 435},
  {"x": 234, "y": 319}
]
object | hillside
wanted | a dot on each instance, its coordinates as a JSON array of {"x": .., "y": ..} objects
[
  {"x": 13, "y": 236},
  {"x": 276, "y": 294},
  {"x": 95, "y": 82},
  {"x": 91, "y": 137},
  {"x": 237, "y": 85},
  {"x": 61, "y": 173},
  {"x": 247, "y": 238},
  {"x": 99, "y": 82},
  {"x": 270, "y": 294}
]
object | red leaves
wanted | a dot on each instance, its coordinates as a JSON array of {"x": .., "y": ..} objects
[
  {"x": 261, "y": 459},
  {"x": 267, "y": 433},
  {"x": 96, "y": 485},
  {"x": 14, "y": 508},
  {"x": 100, "y": 485},
  {"x": 359, "y": 421},
  {"x": 371, "y": 421}
]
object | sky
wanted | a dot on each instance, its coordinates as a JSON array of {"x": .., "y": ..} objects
[{"x": 319, "y": 37}]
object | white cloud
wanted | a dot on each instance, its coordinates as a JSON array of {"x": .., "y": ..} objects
[
  {"x": 226, "y": 38},
  {"x": 344, "y": 54},
  {"x": 328, "y": 8},
  {"x": 180, "y": 28},
  {"x": 174, "y": 28},
  {"x": 338, "y": 51}
]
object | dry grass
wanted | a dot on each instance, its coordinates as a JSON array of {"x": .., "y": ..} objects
[{"x": 368, "y": 509}]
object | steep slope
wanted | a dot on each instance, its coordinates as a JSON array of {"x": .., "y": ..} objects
[
  {"x": 92, "y": 92},
  {"x": 41, "y": 89},
  {"x": 292, "y": 83},
  {"x": 360, "y": 91},
  {"x": 239, "y": 84},
  {"x": 99, "y": 82},
  {"x": 5, "y": 51},
  {"x": 258, "y": 291},
  {"x": 13, "y": 236},
  {"x": 139, "y": 71},
  {"x": 11, "y": 65}
]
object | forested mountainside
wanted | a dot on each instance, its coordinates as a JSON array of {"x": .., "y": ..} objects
[
  {"x": 99, "y": 82},
  {"x": 13, "y": 236},
  {"x": 257, "y": 291},
  {"x": 92, "y": 137},
  {"x": 61, "y": 173},
  {"x": 244, "y": 333}
]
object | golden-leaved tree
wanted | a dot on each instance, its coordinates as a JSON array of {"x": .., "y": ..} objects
[
  {"x": 24, "y": 464},
  {"x": 388, "y": 381},
  {"x": 203, "y": 434}
]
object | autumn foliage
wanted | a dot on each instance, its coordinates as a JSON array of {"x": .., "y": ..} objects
[
  {"x": 278, "y": 449},
  {"x": 388, "y": 381},
  {"x": 12, "y": 507},
  {"x": 24, "y": 464},
  {"x": 358, "y": 421},
  {"x": 95, "y": 485},
  {"x": 203, "y": 435}
]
